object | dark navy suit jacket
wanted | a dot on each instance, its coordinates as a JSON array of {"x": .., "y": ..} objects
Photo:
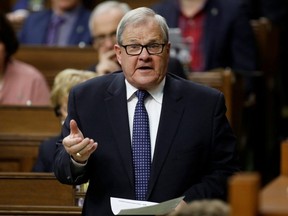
[
  {"x": 228, "y": 37},
  {"x": 21, "y": 4},
  {"x": 194, "y": 152},
  {"x": 35, "y": 28},
  {"x": 45, "y": 162}
]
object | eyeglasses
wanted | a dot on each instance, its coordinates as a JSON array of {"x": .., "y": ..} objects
[
  {"x": 136, "y": 49},
  {"x": 101, "y": 38}
]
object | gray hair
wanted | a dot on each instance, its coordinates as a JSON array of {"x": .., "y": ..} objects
[
  {"x": 106, "y": 6},
  {"x": 139, "y": 15}
]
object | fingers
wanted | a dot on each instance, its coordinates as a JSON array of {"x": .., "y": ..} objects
[
  {"x": 76, "y": 145},
  {"x": 85, "y": 148},
  {"x": 82, "y": 151}
]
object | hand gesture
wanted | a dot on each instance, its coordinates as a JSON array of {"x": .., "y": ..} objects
[
  {"x": 107, "y": 63},
  {"x": 77, "y": 146}
]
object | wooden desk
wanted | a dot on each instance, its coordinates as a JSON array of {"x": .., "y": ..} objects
[
  {"x": 26, "y": 120},
  {"x": 38, "y": 189},
  {"x": 248, "y": 199},
  {"x": 36, "y": 194},
  {"x": 52, "y": 60},
  {"x": 24, "y": 210},
  {"x": 273, "y": 198},
  {"x": 22, "y": 129}
]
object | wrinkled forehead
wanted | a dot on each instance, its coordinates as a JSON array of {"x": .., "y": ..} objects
[{"x": 147, "y": 29}]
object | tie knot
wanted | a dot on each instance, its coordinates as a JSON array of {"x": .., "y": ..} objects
[
  {"x": 142, "y": 94},
  {"x": 56, "y": 20}
]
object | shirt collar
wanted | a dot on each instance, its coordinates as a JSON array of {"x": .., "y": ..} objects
[{"x": 156, "y": 93}]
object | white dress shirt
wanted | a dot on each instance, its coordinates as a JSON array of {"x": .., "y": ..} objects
[{"x": 153, "y": 104}]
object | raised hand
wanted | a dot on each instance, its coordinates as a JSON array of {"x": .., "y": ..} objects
[{"x": 77, "y": 146}]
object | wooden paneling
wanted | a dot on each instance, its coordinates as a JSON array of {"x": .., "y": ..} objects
[
  {"x": 36, "y": 194},
  {"x": 52, "y": 60},
  {"x": 35, "y": 189},
  {"x": 247, "y": 198},
  {"x": 22, "y": 129}
]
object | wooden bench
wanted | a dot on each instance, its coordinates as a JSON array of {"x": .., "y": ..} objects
[
  {"x": 246, "y": 196},
  {"x": 22, "y": 129},
  {"x": 36, "y": 194},
  {"x": 231, "y": 86},
  {"x": 52, "y": 60}
]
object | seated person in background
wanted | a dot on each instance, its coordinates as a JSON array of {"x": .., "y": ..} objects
[
  {"x": 218, "y": 32},
  {"x": 204, "y": 207},
  {"x": 63, "y": 83},
  {"x": 22, "y": 8},
  {"x": 20, "y": 83},
  {"x": 103, "y": 25},
  {"x": 66, "y": 23}
]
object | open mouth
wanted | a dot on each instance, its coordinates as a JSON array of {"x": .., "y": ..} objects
[{"x": 145, "y": 68}]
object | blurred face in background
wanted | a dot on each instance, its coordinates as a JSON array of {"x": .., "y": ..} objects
[
  {"x": 104, "y": 31},
  {"x": 65, "y": 5}
]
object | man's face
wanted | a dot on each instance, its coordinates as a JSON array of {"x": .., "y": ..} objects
[
  {"x": 104, "y": 31},
  {"x": 65, "y": 5},
  {"x": 144, "y": 71}
]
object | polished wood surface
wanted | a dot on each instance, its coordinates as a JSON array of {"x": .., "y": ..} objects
[
  {"x": 22, "y": 129},
  {"x": 29, "y": 210},
  {"x": 38, "y": 194},
  {"x": 248, "y": 199},
  {"x": 225, "y": 81},
  {"x": 274, "y": 198},
  {"x": 34, "y": 189},
  {"x": 243, "y": 194},
  {"x": 28, "y": 120},
  {"x": 52, "y": 60}
]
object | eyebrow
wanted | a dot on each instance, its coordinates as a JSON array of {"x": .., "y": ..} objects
[{"x": 133, "y": 41}]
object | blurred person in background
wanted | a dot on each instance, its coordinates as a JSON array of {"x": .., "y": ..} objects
[
  {"x": 22, "y": 8},
  {"x": 63, "y": 82},
  {"x": 64, "y": 24},
  {"x": 218, "y": 32},
  {"x": 20, "y": 83},
  {"x": 103, "y": 24}
]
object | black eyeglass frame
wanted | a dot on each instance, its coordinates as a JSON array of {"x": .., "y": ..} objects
[{"x": 143, "y": 46}]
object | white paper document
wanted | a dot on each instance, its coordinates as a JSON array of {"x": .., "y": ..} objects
[{"x": 134, "y": 207}]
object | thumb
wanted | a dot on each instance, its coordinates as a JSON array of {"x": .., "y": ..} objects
[{"x": 74, "y": 130}]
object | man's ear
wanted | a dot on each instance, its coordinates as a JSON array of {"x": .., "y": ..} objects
[{"x": 118, "y": 51}]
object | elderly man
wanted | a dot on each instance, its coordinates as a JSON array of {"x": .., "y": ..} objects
[
  {"x": 103, "y": 24},
  {"x": 142, "y": 133}
]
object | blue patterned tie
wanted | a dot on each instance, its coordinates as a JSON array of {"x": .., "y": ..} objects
[
  {"x": 141, "y": 147},
  {"x": 54, "y": 26}
]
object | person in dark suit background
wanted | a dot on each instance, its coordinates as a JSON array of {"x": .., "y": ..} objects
[
  {"x": 103, "y": 24},
  {"x": 71, "y": 19},
  {"x": 193, "y": 149},
  {"x": 219, "y": 31},
  {"x": 62, "y": 85}
]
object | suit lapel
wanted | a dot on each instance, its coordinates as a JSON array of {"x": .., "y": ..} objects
[
  {"x": 116, "y": 105},
  {"x": 171, "y": 113}
]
